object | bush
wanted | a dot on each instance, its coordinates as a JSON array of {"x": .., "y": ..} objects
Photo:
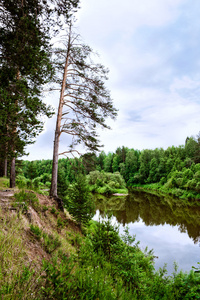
[
  {"x": 29, "y": 184},
  {"x": 54, "y": 211},
  {"x": 169, "y": 184},
  {"x": 105, "y": 183},
  {"x": 163, "y": 180},
  {"x": 36, "y": 183},
  {"x": 191, "y": 184},
  {"x": 106, "y": 189},
  {"x": 50, "y": 242},
  {"x": 21, "y": 182},
  {"x": 48, "y": 184},
  {"x": 36, "y": 230}
]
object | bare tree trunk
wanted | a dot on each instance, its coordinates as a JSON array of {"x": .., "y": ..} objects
[
  {"x": 5, "y": 171},
  {"x": 5, "y": 167},
  {"x": 12, "y": 173},
  {"x": 54, "y": 180}
]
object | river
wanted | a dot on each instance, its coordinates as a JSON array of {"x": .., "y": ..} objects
[{"x": 161, "y": 223}]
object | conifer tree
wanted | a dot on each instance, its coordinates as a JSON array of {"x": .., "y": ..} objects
[
  {"x": 25, "y": 66},
  {"x": 80, "y": 203},
  {"x": 84, "y": 100}
]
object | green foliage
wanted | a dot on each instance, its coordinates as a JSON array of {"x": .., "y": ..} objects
[
  {"x": 49, "y": 242},
  {"x": 60, "y": 223},
  {"x": 54, "y": 211},
  {"x": 126, "y": 259},
  {"x": 105, "y": 183},
  {"x": 105, "y": 266},
  {"x": 175, "y": 168},
  {"x": 25, "y": 67},
  {"x": 36, "y": 230},
  {"x": 18, "y": 280},
  {"x": 186, "y": 286},
  {"x": 62, "y": 183},
  {"x": 24, "y": 199},
  {"x": 79, "y": 202},
  {"x": 105, "y": 238},
  {"x": 3, "y": 183},
  {"x": 21, "y": 182},
  {"x": 44, "y": 208}
]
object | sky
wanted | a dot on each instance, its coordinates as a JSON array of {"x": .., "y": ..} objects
[{"x": 152, "y": 49}]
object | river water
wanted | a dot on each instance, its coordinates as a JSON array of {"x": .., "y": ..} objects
[{"x": 161, "y": 223}]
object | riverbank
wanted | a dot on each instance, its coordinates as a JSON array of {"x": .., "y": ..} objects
[
  {"x": 158, "y": 189},
  {"x": 50, "y": 257}
]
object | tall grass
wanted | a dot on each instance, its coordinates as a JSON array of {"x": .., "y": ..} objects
[
  {"x": 4, "y": 182},
  {"x": 17, "y": 276}
]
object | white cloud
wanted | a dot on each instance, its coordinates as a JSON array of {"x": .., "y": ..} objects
[
  {"x": 151, "y": 49},
  {"x": 126, "y": 16},
  {"x": 184, "y": 83}
]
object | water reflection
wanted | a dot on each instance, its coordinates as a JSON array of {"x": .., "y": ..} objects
[{"x": 153, "y": 210}]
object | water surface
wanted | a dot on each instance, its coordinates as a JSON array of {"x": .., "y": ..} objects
[{"x": 160, "y": 223}]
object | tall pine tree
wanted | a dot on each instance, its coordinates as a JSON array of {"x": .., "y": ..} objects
[
  {"x": 25, "y": 66},
  {"x": 84, "y": 100}
]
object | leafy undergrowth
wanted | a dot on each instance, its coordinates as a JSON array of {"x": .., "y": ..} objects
[{"x": 44, "y": 255}]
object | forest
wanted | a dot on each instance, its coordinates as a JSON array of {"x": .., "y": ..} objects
[
  {"x": 175, "y": 170},
  {"x": 50, "y": 248}
]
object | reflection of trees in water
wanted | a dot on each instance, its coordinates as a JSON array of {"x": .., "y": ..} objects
[{"x": 153, "y": 210}]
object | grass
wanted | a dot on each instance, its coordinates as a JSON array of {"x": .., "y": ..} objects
[
  {"x": 95, "y": 266},
  {"x": 4, "y": 183},
  {"x": 21, "y": 253},
  {"x": 27, "y": 198},
  {"x": 16, "y": 275}
]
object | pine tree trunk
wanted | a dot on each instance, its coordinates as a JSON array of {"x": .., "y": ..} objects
[
  {"x": 12, "y": 173},
  {"x": 5, "y": 167},
  {"x": 54, "y": 179},
  {"x": 12, "y": 168}
]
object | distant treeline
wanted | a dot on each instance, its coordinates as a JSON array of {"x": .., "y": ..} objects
[{"x": 175, "y": 167}]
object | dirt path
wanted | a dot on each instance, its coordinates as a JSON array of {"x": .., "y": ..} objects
[
  {"x": 5, "y": 198},
  {"x": 6, "y": 193}
]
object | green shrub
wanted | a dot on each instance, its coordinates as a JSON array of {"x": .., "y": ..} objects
[
  {"x": 44, "y": 208},
  {"x": 60, "y": 223},
  {"x": 54, "y": 211},
  {"x": 48, "y": 184},
  {"x": 106, "y": 189},
  {"x": 170, "y": 183},
  {"x": 21, "y": 182},
  {"x": 105, "y": 182},
  {"x": 29, "y": 184},
  {"x": 36, "y": 230},
  {"x": 163, "y": 180},
  {"x": 198, "y": 187},
  {"x": 79, "y": 201},
  {"x": 50, "y": 242},
  {"x": 36, "y": 183}
]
